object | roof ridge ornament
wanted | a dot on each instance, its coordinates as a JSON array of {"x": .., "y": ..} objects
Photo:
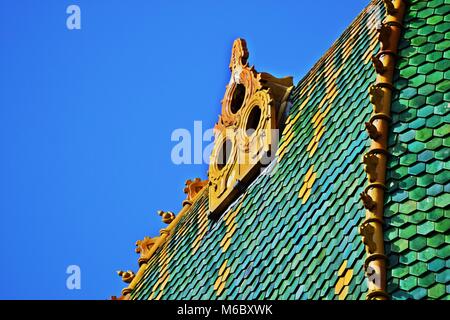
[
  {"x": 246, "y": 136},
  {"x": 192, "y": 188},
  {"x": 127, "y": 276},
  {"x": 143, "y": 247},
  {"x": 167, "y": 216},
  {"x": 239, "y": 54}
]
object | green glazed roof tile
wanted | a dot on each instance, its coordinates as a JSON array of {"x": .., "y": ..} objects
[
  {"x": 437, "y": 291},
  {"x": 418, "y": 243},
  {"x": 444, "y": 276},
  {"x": 427, "y": 280},
  {"x": 419, "y": 293},
  {"x": 418, "y": 217},
  {"x": 436, "y": 240},
  {"x": 425, "y": 156},
  {"x": 408, "y": 283},
  {"x": 418, "y": 269}
]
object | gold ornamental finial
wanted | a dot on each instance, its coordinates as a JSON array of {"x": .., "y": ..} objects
[
  {"x": 127, "y": 276},
  {"x": 167, "y": 216},
  {"x": 239, "y": 54}
]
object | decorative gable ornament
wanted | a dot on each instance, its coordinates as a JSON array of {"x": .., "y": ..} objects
[{"x": 246, "y": 135}]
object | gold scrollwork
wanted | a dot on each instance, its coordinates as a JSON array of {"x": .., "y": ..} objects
[{"x": 243, "y": 134}]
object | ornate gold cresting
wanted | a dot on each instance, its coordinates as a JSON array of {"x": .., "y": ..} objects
[
  {"x": 147, "y": 247},
  {"x": 246, "y": 134},
  {"x": 192, "y": 188},
  {"x": 143, "y": 247},
  {"x": 375, "y": 159}
]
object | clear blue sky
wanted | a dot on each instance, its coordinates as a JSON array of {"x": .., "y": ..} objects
[{"x": 86, "y": 118}]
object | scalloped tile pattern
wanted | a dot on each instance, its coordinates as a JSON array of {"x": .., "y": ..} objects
[{"x": 417, "y": 209}]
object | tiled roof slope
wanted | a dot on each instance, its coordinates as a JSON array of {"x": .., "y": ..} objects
[
  {"x": 417, "y": 211},
  {"x": 293, "y": 234}
]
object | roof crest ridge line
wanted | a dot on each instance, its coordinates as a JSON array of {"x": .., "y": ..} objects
[
  {"x": 164, "y": 234},
  {"x": 375, "y": 159}
]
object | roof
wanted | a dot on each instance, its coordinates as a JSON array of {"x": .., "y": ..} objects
[
  {"x": 296, "y": 226},
  {"x": 293, "y": 233}
]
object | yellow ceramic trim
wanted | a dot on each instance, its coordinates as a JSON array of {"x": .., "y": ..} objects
[
  {"x": 305, "y": 190},
  {"x": 344, "y": 278},
  {"x": 224, "y": 272},
  {"x": 375, "y": 159}
]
